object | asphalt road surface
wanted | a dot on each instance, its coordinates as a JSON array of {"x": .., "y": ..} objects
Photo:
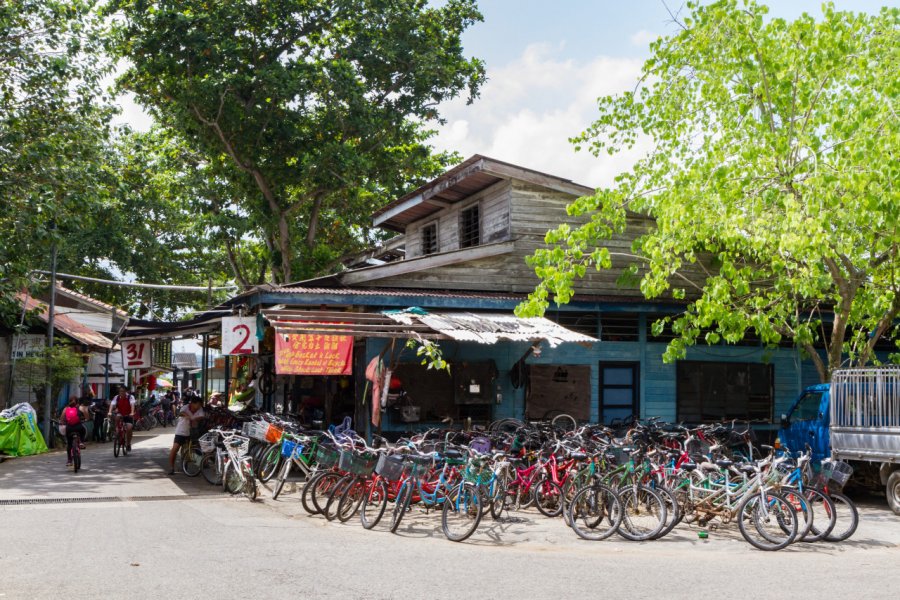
[{"x": 122, "y": 528}]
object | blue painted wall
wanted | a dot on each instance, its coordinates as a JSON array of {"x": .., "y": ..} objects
[{"x": 657, "y": 379}]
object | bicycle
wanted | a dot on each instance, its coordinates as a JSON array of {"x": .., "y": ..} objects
[
  {"x": 238, "y": 473},
  {"x": 298, "y": 452},
  {"x": 120, "y": 438},
  {"x": 191, "y": 456},
  {"x": 76, "y": 453}
]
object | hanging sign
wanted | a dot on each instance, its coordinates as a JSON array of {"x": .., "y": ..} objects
[
  {"x": 136, "y": 354},
  {"x": 313, "y": 354},
  {"x": 239, "y": 335}
]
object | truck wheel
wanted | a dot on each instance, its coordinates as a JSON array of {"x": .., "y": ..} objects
[{"x": 893, "y": 492}]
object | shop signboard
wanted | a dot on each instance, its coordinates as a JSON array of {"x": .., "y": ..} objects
[
  {"x": 239, "y": 336},
  {"x": 313, "y": 354},
  {"x": 136, "y": 354},
  {"x": 28, "y": 345}
]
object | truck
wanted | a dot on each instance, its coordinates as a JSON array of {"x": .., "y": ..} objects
[{"x": 855, "y": 418}]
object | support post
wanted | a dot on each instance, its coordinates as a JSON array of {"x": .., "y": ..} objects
[
  {"x": 204, "y": 368},
  {"x": 227, "y": 376},
  {"x": 48, "y": 413}
]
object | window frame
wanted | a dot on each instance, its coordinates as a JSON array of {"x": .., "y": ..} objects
[
  {"x": 437, "y": 240},
  {"x": 476, "y": 206}
]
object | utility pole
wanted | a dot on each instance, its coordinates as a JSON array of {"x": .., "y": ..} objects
[{"x": 48, "y": 413}]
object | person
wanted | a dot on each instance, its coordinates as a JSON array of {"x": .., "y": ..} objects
[
  {"x": 99, "y": 408},
  {"x": 71, "y": 417},
  {"x": 124, "y": 407},
  {"x": 166, "y": 406},
  {"x": 188, "y": 419}
]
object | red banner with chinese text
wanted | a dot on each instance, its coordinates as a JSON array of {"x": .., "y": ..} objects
[{"x": 313, "y": 354}]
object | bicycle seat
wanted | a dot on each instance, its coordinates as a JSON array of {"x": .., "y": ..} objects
[
  {"x": 689, "y": 466},
  {"x": 421, "y": 460},
  {"x": 452, "y": 454},
  {"x": 578, "y": 455},
  {"x": 748, "y": 469},
  {"x": 724, "y": 463}
]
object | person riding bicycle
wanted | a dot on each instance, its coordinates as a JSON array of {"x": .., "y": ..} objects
[
  {"x": 123, "y": 407},
  {"x": 188, "y": 420},
  {"x": 71, "y": 417}
]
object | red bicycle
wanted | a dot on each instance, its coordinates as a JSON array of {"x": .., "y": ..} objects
[{"x": 119, "y": 439}]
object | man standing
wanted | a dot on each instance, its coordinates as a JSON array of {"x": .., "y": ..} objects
[
  {"x": 124, "y": 407},
  {"x": 99, "y": 408}
]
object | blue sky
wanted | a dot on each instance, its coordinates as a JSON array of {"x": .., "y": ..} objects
[{"x": 547, "y": 62}]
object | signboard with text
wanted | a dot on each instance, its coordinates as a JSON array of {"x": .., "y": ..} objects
[
  {"x": 136, "y": 354},
  {"x": 239, "y": 335},
  {"x": 28, "y": 345},
  {"x": 313, "y": 354}
]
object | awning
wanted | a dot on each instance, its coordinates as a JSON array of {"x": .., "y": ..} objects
[
  {"x": 483, "y": 328},
  {"x": 205, "y": 323},
  {"x": 66, "y": 325}
]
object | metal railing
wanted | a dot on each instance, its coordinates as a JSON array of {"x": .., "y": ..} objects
[{"x": 866, "y": 398}]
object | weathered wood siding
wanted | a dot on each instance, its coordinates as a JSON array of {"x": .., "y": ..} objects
[{"x": 494, "y": 216}]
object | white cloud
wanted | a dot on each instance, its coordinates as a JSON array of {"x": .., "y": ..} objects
[
  {"x": 529, "y": 109},
  {"x": 643, "y": 38}
]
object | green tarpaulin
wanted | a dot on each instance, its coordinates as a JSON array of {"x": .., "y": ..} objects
[{"x": 19, "y": 436}]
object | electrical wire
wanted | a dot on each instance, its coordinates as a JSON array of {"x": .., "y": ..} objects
[{"x": 150, "y": 286}]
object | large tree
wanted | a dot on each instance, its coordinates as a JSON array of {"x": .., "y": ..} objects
[
  {"x": 774, "y": 168},
  {"x": 318, "y": 106},
  {"x": 53, "y": 130}
]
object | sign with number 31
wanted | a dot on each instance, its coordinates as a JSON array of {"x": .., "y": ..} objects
[
  {"x": 136, "y": 354},
  {"x": 239, "y": 335}
]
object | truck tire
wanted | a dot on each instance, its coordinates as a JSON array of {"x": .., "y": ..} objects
[{"x": 893, "y": 492}]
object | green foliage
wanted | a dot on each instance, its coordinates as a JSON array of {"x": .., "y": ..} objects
[
  {"x": 772, "y": 181},
  {"x": 53, "y": 126},
  {"x": 431, "y": 354},
  {"x": 312, "y": 111},
  {"x": 65, "y": 365}
]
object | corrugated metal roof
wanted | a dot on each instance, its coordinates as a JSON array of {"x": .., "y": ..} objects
[
  {"x": 67, "y": 325},
  {"x": 393, "y": 293},
  {"x": 488, "y": 328},
  {"x": 94, "y": 301}
]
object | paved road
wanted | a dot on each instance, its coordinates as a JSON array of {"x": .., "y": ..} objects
[{"x": 192, "y": 546}]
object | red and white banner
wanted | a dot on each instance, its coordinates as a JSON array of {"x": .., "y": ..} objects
[
  {"x": 136, "y": 354},
  {"x": 313, "y": 354}
]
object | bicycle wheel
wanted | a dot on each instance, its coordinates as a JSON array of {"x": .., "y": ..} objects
[
  {"x": 564, "y": 422},
  {"x": 250, "y": 489},
  {"x": 116, "y": 446},
  {"x": 595, "y": 512},
  {"x": 76, "y": 457},
  {"x": 548, "y": 497},
  {"x": 768, "y": 521},
  {"x": 351, "y": 499},
  {"x": 191, "y": 461},
  {"x": 462, "y": 512},
  {"x": 334, "y": 498},
  {"x": 209, "y": 467},
  {"x": 322, "y": 491},
  {"x": 846, "y": 517},
  {"x": 805, "y": 514},
  {"x": 231, "y": 479},
  {"x": 824, "y": 518},
  {"x": 643, "y": 513},
  {"x": 374, "y": 503},
  {"x": 401, "y": 504},
  {"x": 269, "y": 462},
  {"x": 500, "y": 499},
  {"x": 672, "y": 512},
  {"x": 282, "y": 477},
  {"x": 308, "y": 491}
]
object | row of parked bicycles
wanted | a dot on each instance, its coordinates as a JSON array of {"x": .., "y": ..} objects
[{"x": 639, "y": 483}]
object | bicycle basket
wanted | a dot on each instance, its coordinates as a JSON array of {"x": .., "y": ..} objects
[
  {"x": 390, "y": 467},
  {"x": 698, "y": 450},
  {"x": 840, "y": 475},
  {"x": 207, "y": 442},
  {"x": 357, "y": 464},
  {"x": 479, "y": 475},
  {"x": 327, "y": 457},
  {"x": 288, "y": 447},
  {"x": 239, "y": 444}
]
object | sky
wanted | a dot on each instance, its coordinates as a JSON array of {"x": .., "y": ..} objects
[{"x": 547, "y": 63}]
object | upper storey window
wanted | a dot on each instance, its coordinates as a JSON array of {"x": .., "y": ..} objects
[
  {"x": 470, "y": 227},
  {"x": 429, "y": 239}
]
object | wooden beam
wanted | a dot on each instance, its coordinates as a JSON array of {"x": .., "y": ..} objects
[
  {"x": 359, "y": 326},
  {"x": 424, "y": 263},
  {"x": 365, "y": 334}
]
